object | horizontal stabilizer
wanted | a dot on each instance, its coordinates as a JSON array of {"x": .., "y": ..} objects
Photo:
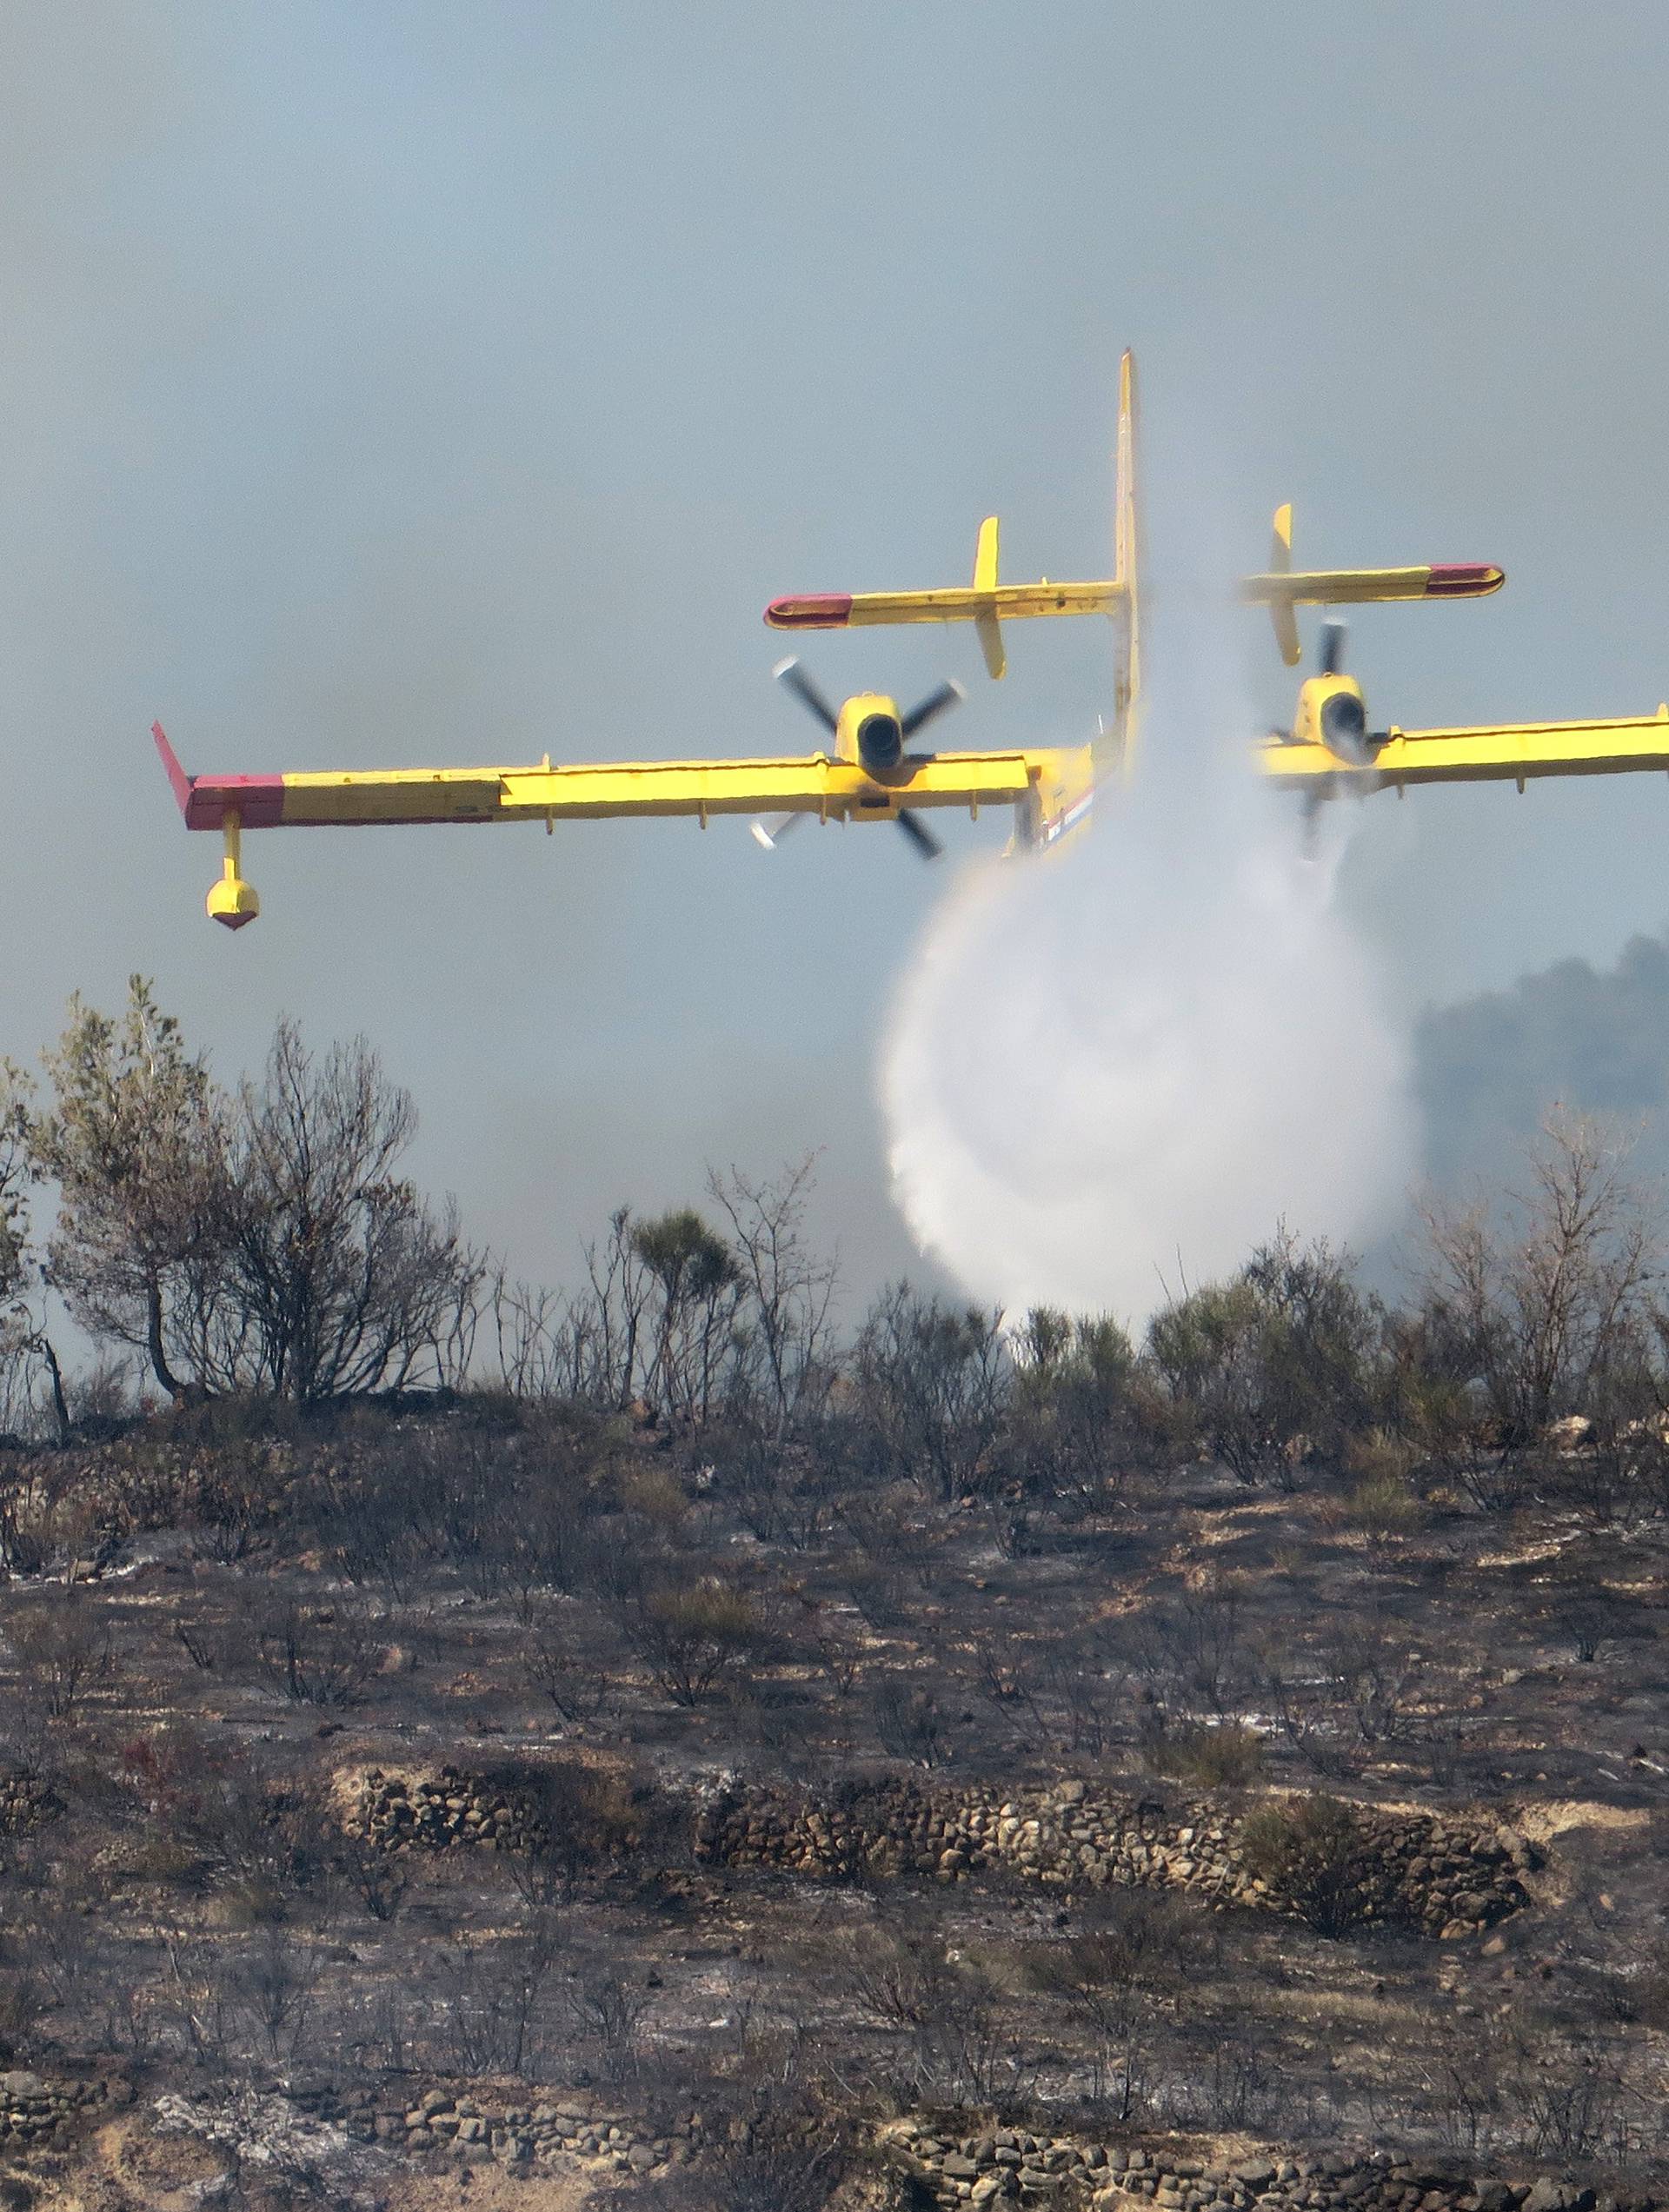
[
  {"x": 1361, "y": 586},
  {"x": 856, "y": 610}
]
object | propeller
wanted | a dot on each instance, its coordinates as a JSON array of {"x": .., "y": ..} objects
[
  {"x": 1330, "y": 650},
  {"x": 770, "y": 834}
]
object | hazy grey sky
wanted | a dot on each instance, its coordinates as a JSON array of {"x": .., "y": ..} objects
[{"x": 405, "y": 384}]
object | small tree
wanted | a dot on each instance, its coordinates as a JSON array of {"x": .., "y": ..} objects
[
  {"x": 1072, "y": 1417},
  {"x": 24, "y": 1340},
  {"x": 933, "y": 1383},
  {"x": 260, "y": 1243},
  {"x": 786, "y": 1352},
  {"x": 1130, "y": 1961},
  {"x": 344, "y": 1280},
  {"x": 1275, "y": 1360},
  {"x": 1546, "y": 1308},
  {"x": 691, "y": 1636},
  {"x": 699, "y": 1292},
  {"x": 135, "y": 1140},
  {"x": 15, "y": 1249}
]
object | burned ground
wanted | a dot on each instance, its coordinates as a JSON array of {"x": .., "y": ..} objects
[{"x": 365, "y": 1757}]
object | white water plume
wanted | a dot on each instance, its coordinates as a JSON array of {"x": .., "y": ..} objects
[{"x": 1115, "y": 1069}]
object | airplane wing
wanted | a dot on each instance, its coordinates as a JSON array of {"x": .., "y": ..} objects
[
  {"x": 1509, "y": 753},
  {"x": 837, "y": 790}
]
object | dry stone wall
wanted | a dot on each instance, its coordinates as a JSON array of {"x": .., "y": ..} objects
[
  {"x": 472, "y": 2130},
  {"x": 1008, "y": 2166},
  {"x": 1001, "y": 2166},
  {"x": 1446, "y": 1875},
  {"x": 35, "y": 2112},
  {"x": 26, "y": 1803},
  {"x": 447, "y": 1812}
]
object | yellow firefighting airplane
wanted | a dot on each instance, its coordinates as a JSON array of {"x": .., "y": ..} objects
[
  {"x": 869, "y": 773},
  {"x": 1330, "y": 750}
]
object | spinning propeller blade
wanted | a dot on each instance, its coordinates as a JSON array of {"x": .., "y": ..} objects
[
  {"x": 947, "y": 695},
  {"x": 790, "y": 673},
  {"x": 1330, "y": 653},
  {"x": 919, "y": 835}
]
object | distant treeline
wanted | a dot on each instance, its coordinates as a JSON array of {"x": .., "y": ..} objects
[{"x": 263, "y": 1242}]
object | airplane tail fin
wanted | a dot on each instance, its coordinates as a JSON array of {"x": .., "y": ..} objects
[
  {"x": 1116, "y": 746},
  {"x": 1280, "y": 610},
  {"x": 984, "y": 580}
]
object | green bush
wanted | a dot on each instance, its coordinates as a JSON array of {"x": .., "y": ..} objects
[
  {"x": 1380, "y": 1506},
  {"x": 1225, "y": 1758}
]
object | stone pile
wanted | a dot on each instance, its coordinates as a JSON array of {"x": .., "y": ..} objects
[
  {"x": 1001, "y": 2166},
  {"x": 447, "y": 1812},
  {"x": 34, "y": 2111},
  {"x": 25, "y": 1803},
  {"x": 1444, "y": 1874},
  {"x": 474, "y": 2132},
  {"x": 1007, "y": 2166}
]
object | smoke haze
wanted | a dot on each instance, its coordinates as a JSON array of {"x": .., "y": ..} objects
[
  {"x": 1117, "y": 1069},
  {"x": 401, "y": 386},
  {"x": 1489, "y": 1067}
]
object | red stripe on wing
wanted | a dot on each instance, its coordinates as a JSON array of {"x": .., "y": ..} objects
[
  {"x": 257, "y": 800},
  {"x": 828, "y": 610},
  {"x": 1464, "y": 580}
]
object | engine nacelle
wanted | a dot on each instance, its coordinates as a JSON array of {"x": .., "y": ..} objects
[
  {"x": 871, "y": 732},
  {"x": 1332, "y": 713}
]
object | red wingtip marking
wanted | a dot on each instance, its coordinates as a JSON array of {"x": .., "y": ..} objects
[
  {"x": 176, "y": 775},
  {"x": 257, "y": 800},
  {"x": 1464, "y": 580},
  {"x": 829, "y": 610}
]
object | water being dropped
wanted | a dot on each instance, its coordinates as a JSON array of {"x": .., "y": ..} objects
[{"x": 1114, "y": 1069}]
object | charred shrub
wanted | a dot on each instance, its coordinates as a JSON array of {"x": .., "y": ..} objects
[
  {"x": 694, "y": 1636},
  {"x": 1315, "y": 1854}
]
